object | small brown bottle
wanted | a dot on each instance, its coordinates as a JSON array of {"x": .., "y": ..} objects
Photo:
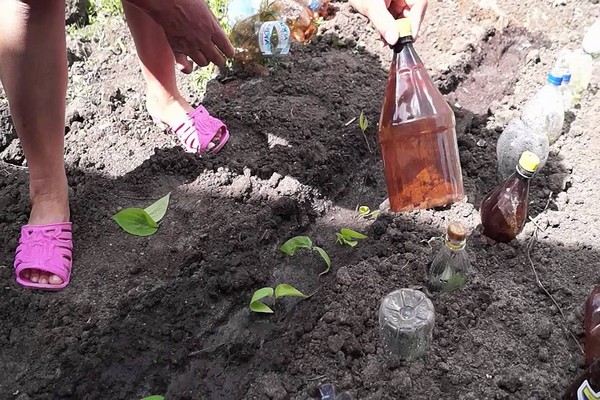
[
  {"x": 417, "y": 135},
  {"x": 592, "y": 327},
  {"x": 586, "y": 386},
  {"x": 504, "y": 210}
]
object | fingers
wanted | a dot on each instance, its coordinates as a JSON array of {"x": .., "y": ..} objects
[
  {"x": 416, "y": 14},
  {"x": 383, "y": 21},
  {"x": 198, "y": 58},
  {"x": 222, "y": 42},
  {"x": 184, "y": 64}
]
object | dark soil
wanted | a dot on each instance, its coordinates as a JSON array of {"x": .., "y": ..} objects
[{"x": 168, "y": 314}]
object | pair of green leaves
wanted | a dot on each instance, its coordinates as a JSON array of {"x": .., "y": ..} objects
[
  {"x": 348, "y": 237},
  {"x": 282, "y": 290},
  {"x": 143, "y": 222},
  {"x": 155, "y": 397},
  {"x": 366, "y": 212},
  {"x": 363, "y": 122},
  {"x": 304, "y": 242}
]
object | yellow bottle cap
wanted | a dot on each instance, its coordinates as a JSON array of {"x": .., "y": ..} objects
[
  {"x": 404, "y": 28},
  {"x": 529, "y": 161}
]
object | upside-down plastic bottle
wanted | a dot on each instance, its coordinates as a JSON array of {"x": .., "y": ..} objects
[
  {"x": 417, "y": 135},
  {"x": 545, "y": 111}
]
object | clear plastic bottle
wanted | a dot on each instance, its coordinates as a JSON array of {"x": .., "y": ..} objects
[
  {"x": 545, "y": 112},
  {"x": 504, "y": 210},
  {"x": 567, "y": 92},
  {"x": 417, "y": 134},
  {"x": 516, "y": 139},
  {"x": 591, "y": 40},
  {"x": 406, "y": 321},
  {"x": 450, "y": 267},
  {"x": 580, "y": 64}
]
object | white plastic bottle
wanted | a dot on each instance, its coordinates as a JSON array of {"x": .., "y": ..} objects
[
  {"x": 591, "y": 40},
  {"x": 545, "y": 112},
  {"x": 516, "y": 139},
  {"x": 567, "y": 92}
]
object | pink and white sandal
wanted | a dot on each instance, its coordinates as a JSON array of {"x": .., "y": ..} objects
[
  {"x": 47, "y": 248},
  {"x": 198, "y": 130}
]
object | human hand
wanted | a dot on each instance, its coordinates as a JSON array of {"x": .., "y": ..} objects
[
  {"x": 383, "y": 15},
  {"x": 191, "y": 29}
]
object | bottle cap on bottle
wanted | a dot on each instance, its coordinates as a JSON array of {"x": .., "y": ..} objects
[
  {"x": 567, "y": 77},
  {"x": 456, "y": 231},
  {"x": 555, "y": 79},
  {"x": 404, "y": 28},
  {"x": 529, "y": 161}
]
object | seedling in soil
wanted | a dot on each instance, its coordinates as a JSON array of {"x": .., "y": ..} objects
[
  {"x": 304, "y": 242},
  {"x": 366, "y": 212},
  {"x": 363, "y": 124},
  {"x": 156, "y": 397},
  {"x": 143, "y": 222},
  {"x": 348, "y": 237},
  {"x": 282, "y": 290}
]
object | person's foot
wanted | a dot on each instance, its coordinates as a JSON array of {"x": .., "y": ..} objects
[
  {"x": 49, "y": 204},
  {"x": 170, "y": 110}
]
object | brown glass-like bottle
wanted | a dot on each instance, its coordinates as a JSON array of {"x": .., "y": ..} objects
[
  {"x": 417, "y": 135},
  {"x": 592, "y": 327},
  {"x": 586, "y": 386},
  {"x": 504, "y": 210}
]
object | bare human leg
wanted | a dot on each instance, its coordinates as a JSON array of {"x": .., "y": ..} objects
[
  {"x": 33, "y": 71},
  {"x": 163, "y": 100}
]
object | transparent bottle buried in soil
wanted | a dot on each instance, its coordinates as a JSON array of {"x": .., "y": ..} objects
[
  {"x": 579, "y": 63},
  {"x": 545, "y": 112},
  {"x": 592, "y": 327},
  {"x": 417, "y": 135},
  {"x": 450, "y": 267},
  {"x": 516, "y": 139},
  {"x": 264, "y": 29},
  {"x": 567, "y": 92},
  {"x": 591, "y": 40},
  {"x": 406, "y": 321},
  {"x": 504, "y": 210},
  {"x": 586, "y": 386},
  {"x": 328, "y": 391}
]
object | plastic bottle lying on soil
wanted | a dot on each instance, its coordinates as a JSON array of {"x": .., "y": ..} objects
[
  {"x": 504, "y": 210},
  {"x": 516, "y": 139},
  {"x": 406, "y": 321},
  {"x": 545, "y": 112},
  {"x": 417, "y": 135}
]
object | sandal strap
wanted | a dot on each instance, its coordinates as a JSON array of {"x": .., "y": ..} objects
[
  {"x": 199, "y": 130},
  {"x": 46, "y": 248}
]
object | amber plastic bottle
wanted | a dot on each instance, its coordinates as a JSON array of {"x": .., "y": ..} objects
[
  {"x": 417, "y": 135},
  {"x": 504, "y": 210},
  {"x": 592, "y": 327},
  {"x": 586, "y": 386}
]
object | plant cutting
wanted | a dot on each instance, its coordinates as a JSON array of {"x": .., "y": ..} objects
[{"x": 143, "y": 222}]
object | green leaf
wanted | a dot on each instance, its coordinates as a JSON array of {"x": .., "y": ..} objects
[
  {"x": 349, "y": 233},
  {"x": 285, "y": 290},
  {"x": 255, "y": 303},
  {"x": 364, "y": 210},
  {"x": 295, "y": 243},
  {"x": 325, "y": 257},
  {"x": 363, "y": 122},
  {"x": 155, "y": 397},
  {"x": 340, "y": 239},
  {"x": 158, "y": 210},
  {"x": 351, "y": 243},
  {"x": 136, "y": 222}
]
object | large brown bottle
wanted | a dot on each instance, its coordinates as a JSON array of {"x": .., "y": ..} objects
[
  {"x": 504, "y": 210},
  {"x": 586, "y": 386},
  {"x": 417, "y": 135}
]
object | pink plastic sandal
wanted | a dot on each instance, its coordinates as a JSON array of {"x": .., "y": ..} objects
[
  {"x": 46, "y": 248},
  {"x": 198, "y": 131}
]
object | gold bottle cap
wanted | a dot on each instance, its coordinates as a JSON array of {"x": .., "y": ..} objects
[
  {"x": 529, "y": 161},
  {"x": 404, "y": 28},
  {"x": 457, "y": 231}
]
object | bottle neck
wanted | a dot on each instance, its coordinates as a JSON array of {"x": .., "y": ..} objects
[
  {"x": 405, "y": 42},
  {"x": 523, "y": 173},
  {"x": 455, "y": 245}
]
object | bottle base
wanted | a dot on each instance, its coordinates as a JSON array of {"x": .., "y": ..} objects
[{"x": 426, "y": 204}]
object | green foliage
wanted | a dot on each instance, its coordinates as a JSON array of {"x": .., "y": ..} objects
[
  {"x": 363, "y": 124},
  {"x": 304, "y": 242},
  {"x": 155, "y": 397},
  {"x": 348, "y": 237},
  {"x": 105, "y": 8},
  {"x": 366, "y": 212},
  {"x": 140, "y": 222},
  {"x": 282, "y": 290}
]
